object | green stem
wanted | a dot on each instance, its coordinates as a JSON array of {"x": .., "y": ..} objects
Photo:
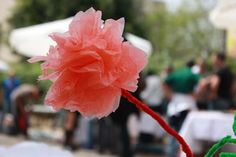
[{"x": 218, "y": 145}]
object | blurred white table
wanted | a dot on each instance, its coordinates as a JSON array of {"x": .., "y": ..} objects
[
  {"x": 205, "y": 126},
  {"x": 43, "y": 109},
  {"x": 150, "y": 126}
]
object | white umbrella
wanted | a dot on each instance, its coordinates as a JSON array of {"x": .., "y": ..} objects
[
  {"x": 34, "y": 40},
  {"x": 224, "y": 14}
]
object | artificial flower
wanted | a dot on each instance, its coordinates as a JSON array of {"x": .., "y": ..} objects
[{"x": 90, "y": 65}]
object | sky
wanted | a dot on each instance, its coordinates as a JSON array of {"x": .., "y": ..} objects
[
  {"x": 174, "y": 4},
  {"x": 171, "y": 4}
]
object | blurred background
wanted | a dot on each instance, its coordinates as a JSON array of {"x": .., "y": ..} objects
[{"x": 189, "y": 79}]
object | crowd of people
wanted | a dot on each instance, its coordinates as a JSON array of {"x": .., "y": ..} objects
[
  {"x": 14, "y": 112},
  {"x": 173, "y": 94},
  {"x": 193, "y": 87}
]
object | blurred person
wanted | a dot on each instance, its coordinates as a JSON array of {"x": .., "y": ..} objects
[
  {"x": 167, "y": 70},
  {"x": 120, "y": 118},
  {"x": 1, "y": 109},
  {"x": 21, "y": 98},
  {"x": 9, "y": 84},
  {"x": 201, "y": 96},
  {"x": 164, "y": 74},
  {"x": 179, "y": 88},
  {"x": 108, "y": 132},
  {"x": 221, "y": 84},
  {"x": 190, "y": 63},
  {"x": 200, "y": 67},
  {"x": 71, "y": 122},
  {"x": 152, "y": 95}
]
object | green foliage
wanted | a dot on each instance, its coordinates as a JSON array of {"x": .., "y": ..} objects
[
  {"x": 31, "y": 12},
  {"x": 181, "y": 35},
  {"x": 1, "y": 33},
  {"x": 231, "y": 62}
]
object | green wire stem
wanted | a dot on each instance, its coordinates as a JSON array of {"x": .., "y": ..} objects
[{"x": 222, "y": 142}]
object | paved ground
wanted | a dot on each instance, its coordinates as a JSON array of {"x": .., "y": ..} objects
[{"x": 9, "y": 141}]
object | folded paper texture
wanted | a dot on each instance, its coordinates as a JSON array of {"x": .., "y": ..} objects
[{"x": 90, "y": 65}]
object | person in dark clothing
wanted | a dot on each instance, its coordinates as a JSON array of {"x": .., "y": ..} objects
[
  {"x": 108, "y": 132},
  {"x": 20, "y": 99},
  {"x": 8, "y": 86},
  {"x": 225, "y": 82},
  {"x": 221, "y": 84},
  {"x": 70, "y": 126},
  {"x": 120, "y": 118}
]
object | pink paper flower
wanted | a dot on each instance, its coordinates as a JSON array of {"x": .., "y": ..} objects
[{"x": 90, "y": 65}]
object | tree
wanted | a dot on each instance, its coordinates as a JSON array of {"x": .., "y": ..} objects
[
  {"x": 1, "y": 33},
  {"x": 181, "y": 35},
  {"x": 31, "y": 12}
]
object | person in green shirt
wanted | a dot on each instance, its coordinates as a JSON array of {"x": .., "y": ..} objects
[
  {"x": 179, "y": 87},
  {"x": 182, "y": 81}
]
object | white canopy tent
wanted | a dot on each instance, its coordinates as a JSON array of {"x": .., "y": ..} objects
[
  {"x": 224, "y": 14},
  {"x": 34, "y": 40},
  {"x": 140, "y": 43}
]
